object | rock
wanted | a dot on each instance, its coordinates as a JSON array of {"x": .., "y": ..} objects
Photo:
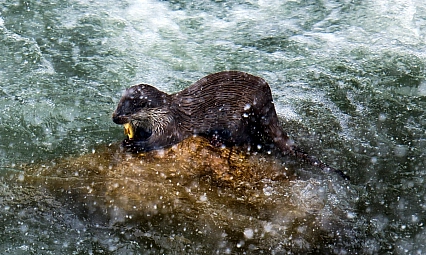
[{"x": 197, "y": 198}]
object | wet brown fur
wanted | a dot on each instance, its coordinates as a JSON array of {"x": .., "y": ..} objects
[{"x": 229, "y": 107}]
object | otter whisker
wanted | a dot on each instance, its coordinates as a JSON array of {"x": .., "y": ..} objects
[{"x": 161, "y": 120}]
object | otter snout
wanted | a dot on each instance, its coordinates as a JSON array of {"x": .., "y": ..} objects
[{"x": 120, "y": 119}]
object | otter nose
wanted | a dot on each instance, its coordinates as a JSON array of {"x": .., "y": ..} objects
[{"x": 118, "y": 119}]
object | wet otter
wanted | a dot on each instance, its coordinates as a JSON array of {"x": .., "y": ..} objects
[{"x": 229, "y": 107}]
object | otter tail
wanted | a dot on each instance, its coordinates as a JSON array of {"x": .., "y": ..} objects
[
  {"x": 273, "y": 129},
  {"x": 285, "y": 144},
  {"x": 298, "y": 153}
]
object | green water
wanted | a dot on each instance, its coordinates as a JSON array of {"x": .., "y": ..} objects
[{"x": 348, "y": 80}]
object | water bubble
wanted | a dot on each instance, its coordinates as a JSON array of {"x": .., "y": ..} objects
[
  {"x": 268, "y": 191},
  {"x": 248, "y": 233},
  {"x": 161, "y": 153},
  {"x": 24, "y": 247},
  {"x": 24, "y": 228},
  {"x": 240, "y": 244},
  {"x": 18, "y": 58},
  {"x": 203, "y": 198},
  {"x": 422, "y": 89},
  {"x": 400, "y": 150},
  {"x": 267, "y": 227},
  {"x": 112, "y": 247},
  {"x": 350, "y": 215},
  {"x": 21, "y": 178}
]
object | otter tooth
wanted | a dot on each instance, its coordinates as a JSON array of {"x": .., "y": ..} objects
[{"x": 128, "y": 130}]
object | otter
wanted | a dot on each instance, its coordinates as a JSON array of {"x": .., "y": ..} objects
[{"x": 229, "y": 107}]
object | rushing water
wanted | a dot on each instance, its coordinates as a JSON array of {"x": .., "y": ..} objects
[{"x": 348, "y": 80}]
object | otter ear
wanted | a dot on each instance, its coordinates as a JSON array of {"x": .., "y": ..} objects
[
  {"x": 137, "y": 97},
  {"x": 131, "y": 102},
  {"x": 154, "y": 97},
  {"x": 141, "y": 96},
  {"x": 135, "y": 91}
]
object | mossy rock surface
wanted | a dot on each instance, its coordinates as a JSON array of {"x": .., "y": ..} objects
[{"x": 197, "y": 197}]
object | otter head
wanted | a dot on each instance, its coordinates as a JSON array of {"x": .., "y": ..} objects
[{"x": 139, "y": 109}]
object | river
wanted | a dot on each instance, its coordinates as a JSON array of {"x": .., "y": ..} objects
[{"x": 347, "y": 77}]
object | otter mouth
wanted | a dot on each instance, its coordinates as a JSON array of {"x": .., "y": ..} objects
[{"x": 136, "y": 133}]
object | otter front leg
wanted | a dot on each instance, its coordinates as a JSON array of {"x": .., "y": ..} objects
[
  {"x": 137, "y": 146},
  {"x": 218, "y": 138}
]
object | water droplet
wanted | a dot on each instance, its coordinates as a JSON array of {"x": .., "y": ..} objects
[
  {"x": 350, "y": 215},
  {"x": 268, "y": 191},
  {"x": 203, "y": 198},
  {"x": 268, "y": 227},
  {"x": 21, "y": 178},
  {"x": 248, "y": 233},
  {"x": 240, "y": 244},
  {"x": 400, "y": 150}
]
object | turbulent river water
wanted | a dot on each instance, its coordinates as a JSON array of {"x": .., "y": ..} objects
[{"x": 348, "y": 81}]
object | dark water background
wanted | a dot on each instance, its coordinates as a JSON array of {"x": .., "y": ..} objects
[{"x": 348, "y": 80}]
